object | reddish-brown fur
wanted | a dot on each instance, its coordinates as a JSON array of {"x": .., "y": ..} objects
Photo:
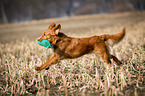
[{"x": 68, "y": 47}]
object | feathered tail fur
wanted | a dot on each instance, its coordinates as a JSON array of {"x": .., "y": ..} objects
[{"x": 113, "y": 39}]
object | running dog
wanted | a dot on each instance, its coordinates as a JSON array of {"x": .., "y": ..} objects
[{"x": 69, "y": 47}]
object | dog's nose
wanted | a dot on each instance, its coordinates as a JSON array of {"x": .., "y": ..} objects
[{"x": 38, "y": 39}]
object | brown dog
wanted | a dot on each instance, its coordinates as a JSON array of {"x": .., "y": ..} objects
[{"x": 68, "y": 47}]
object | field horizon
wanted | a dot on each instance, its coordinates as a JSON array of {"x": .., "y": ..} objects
[
  {"x": 72, "y": 26},
  {"x": 88, "y": 75}
]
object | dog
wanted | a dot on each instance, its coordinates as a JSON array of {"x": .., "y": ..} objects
[{"x": 69, "y": 47}]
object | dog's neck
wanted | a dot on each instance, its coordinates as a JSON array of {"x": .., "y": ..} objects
[
  {"x": 58, "y": 38},
  {"x": 60, "y": 34}
]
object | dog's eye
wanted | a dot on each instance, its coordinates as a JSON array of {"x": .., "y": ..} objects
[{"x": 44, "y": 34}]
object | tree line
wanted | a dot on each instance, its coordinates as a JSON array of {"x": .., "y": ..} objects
[{"x": 25, "y": 10}]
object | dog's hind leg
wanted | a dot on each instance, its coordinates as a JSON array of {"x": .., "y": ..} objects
[
  {"x": 54, "y": 59},
  {"x": 103, "y": 52},
  {"x": 116, "y": 60},
  {"x": 106, "y": 58}
]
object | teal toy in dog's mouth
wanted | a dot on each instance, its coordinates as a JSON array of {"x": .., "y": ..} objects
[{"x": 45, "y": 43}]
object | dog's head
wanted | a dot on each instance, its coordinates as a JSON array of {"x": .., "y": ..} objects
[{"x": 51, "y": 33}]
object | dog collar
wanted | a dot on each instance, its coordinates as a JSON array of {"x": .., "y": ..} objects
[{"x": 45, "y": 43}]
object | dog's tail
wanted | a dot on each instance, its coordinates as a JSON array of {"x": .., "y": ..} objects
[{"x": 113, "y": 39}]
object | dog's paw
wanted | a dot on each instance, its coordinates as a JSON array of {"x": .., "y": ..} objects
[
  {"x": 47, "y": 68},
  {"x": 37, "y": 68},
  {"x": 120, "y": 63},
  {"x": 110, "y": 65}
]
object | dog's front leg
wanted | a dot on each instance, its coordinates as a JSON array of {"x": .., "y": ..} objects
[{"x": 54, "y": 59}]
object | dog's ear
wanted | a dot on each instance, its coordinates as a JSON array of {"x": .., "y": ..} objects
[
  {"x": 57, "y": 29},
  {"x": 51, "y": 25}
]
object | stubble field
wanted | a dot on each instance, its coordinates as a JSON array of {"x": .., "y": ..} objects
[{"x": 88, "y": 75}]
